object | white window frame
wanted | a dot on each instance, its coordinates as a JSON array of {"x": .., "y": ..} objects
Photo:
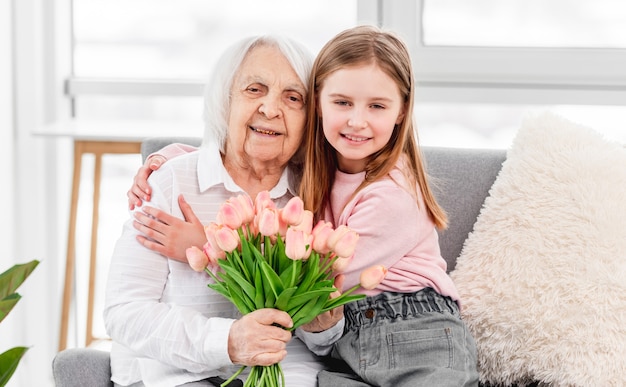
[
  {"x": 507, "y": 75},
  {"x": 368, "y": 11},
  {"x": 450, "y": 74}
]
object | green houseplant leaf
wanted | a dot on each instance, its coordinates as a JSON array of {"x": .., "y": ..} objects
[
  {"x": 10, "y": 280},
  {"x": 8, "y": 363},
  {"x": 7, "y": 303}
]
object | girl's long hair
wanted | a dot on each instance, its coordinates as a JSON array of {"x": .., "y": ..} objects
[{"x": 356, "y": 46}]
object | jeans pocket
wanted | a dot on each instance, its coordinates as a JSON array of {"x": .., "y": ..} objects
[{"x": 421, "y": 347}]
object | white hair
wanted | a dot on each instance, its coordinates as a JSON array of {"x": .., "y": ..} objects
[{"x": 217, "y": 90}]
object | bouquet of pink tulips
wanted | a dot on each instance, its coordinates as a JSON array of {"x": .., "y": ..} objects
[{"x": 260, "y": 256}]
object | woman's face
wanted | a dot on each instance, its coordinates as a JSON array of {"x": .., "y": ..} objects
[{"x": 267, "y": 110}]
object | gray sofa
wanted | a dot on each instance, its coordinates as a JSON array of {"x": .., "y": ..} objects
[{"x": 461, "y": 177}]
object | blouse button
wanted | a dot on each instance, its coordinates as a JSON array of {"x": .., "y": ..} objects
[{"x": 369, "y": 313}]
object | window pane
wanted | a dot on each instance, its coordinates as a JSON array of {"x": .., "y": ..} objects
[
  {"x": 525, "y": 23},
  {"x": 181, "y": 38},
  {"x": 495, "y": 126}
]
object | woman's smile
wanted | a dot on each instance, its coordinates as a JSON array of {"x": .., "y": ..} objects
[{"x": 268, "y": 132}]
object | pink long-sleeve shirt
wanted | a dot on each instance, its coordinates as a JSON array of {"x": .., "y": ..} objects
[{"x": 394, "y": 231}]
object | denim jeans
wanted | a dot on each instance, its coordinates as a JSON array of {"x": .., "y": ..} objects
[{"x": 402, "y": 340}]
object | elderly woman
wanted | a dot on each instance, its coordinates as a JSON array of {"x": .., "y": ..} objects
[{"x": 167, "y": 327}]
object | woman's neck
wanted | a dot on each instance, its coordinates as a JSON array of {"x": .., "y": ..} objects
[{"x": 252, "y": 178}]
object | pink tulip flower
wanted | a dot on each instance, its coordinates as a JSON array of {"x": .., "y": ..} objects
[
  {"x": 209, "y": 231},
  {"x": 268, "y": 224},
  {"x": 373, "y": 276},
  {"x": 321, "y": 232},
  {"x": 343, "y": 241},
  {"x": 340, "y": 264},
  {"x": 229, "y": 215},
  {"x": 282, "y": 226},
  {"x": 262, "y": 201},
  {"x": 197, "y": 258},
  {"x": 306, "y": 223},
  {"x": 246, "y": 208},
  {"x": 293, "y": 211},
  {"x": 213, "y": 252},
  {"x": 227, "y": 239},
  {"x": 297, "y": 244},
  {"x": 211, "y": 247}
]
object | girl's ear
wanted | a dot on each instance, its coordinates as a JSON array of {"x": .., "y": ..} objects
[
  {"x": 401, "y": 115},
  {"x": 318, "y": 109}
]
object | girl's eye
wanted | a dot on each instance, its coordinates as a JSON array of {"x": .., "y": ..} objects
[
  {"x": 342, "y": 103},
  {"x": 377, "y": 106}
]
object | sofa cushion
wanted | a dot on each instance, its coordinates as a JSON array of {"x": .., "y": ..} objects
[{"x": 542, "y": 277}]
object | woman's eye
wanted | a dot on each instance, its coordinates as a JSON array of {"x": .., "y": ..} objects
[{"x": 295, "y": 100}]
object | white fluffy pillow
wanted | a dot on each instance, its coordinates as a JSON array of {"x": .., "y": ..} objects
[{"x": 543, "y": 275}]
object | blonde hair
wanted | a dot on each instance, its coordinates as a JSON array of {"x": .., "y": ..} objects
[{"x": 357, "y": 46}]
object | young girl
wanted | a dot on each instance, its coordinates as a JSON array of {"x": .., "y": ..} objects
[{"x": 363, "y": 169}]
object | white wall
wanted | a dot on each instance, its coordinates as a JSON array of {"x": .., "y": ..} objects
[
  {"x": 6, "y": 129},
  {"x": 29, "y": 98}
]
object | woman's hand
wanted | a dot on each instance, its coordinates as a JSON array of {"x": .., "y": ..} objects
[
  {"x": 140, "y": 190},
  {"x": 255, "y": 340},
  {"x": 167, "y": 234},
  {"x": 328, "y": 319}
]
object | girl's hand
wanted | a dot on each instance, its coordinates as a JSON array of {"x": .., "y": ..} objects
[
  {"x": 140, "y": 189},
  {"x": 328, "y": 319},
  {"x": 167, "y": 234}
]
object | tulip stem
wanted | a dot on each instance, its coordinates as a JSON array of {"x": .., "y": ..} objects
[{"x": 239, "y": 371}]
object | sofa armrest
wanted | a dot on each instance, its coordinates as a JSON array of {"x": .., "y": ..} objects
[{"x": 79, "y": 367}]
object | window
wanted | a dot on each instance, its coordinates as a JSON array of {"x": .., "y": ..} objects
[
  {"x": 156, "y": 54},
  {"x": 493, "y": 61},
  {"x": 528, "y": 23}
]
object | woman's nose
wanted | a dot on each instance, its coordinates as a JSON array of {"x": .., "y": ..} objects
[{"x": 270, "y": 106}]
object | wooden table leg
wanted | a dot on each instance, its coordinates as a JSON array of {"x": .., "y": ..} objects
[
  {"x": 70, "y": 260},
  {"x": 97, "y": 177}
]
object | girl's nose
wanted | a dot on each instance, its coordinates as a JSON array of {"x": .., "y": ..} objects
[{"x": 357, "y": 121}]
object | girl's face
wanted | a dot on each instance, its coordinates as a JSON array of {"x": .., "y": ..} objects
[{"x": 359, "y": 107}]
